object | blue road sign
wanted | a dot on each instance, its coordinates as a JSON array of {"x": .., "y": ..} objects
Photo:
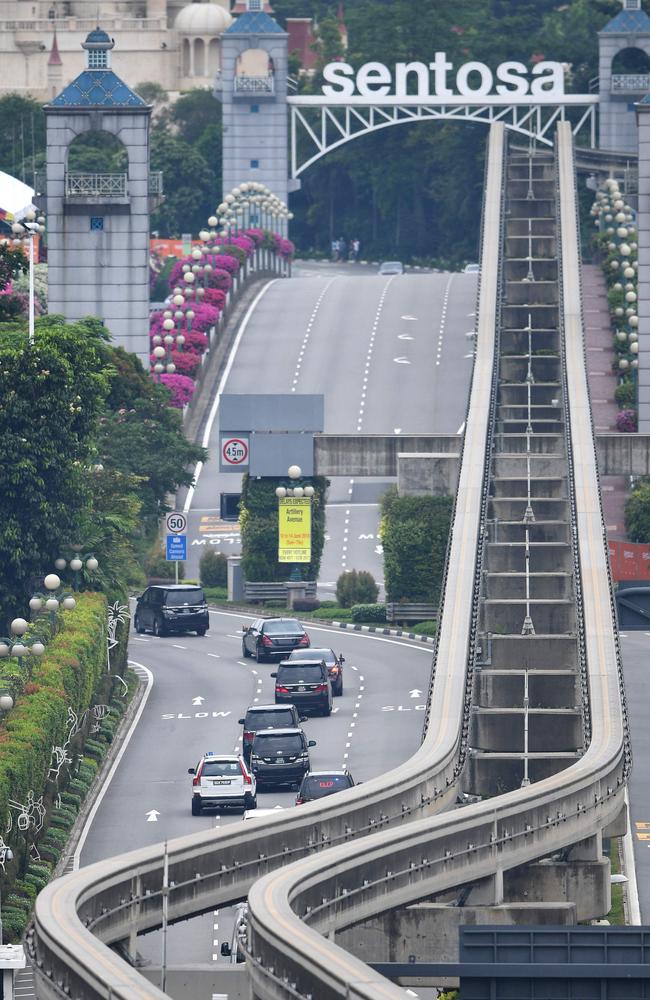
[{"x": 176, "y": 548}]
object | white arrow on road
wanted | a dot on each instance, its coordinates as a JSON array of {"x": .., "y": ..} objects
[
  {"x": 401, "y": 361},
  {"x": 152, "y": 816},
  {"x": 415, "y": 693},
  {"x": 198, "y": 701},
  {"x": 404, "y": 336},
  {"x": 411, "y": 319}
]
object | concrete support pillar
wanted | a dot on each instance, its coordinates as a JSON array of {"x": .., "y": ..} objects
[{"x": 643, "y": 240}]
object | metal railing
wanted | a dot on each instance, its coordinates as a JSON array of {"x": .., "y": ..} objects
[
  {"x": 79, "y": 185},
  {"x": 255, "y": 84},
  {"x": 630, "y": 83},
  {"x": 392, "y": 844}
]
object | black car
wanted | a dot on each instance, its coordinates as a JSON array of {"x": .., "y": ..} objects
[
  {"x": 318, "y": 784},
  {"x": 280, "y": 757},
  {"x": 333, "y": 663},
  {"x": 173, "y": 608},
  {"x": 273, "y": 637},
  {"x": 305, "y": 684},
  {"x": 267, "y": 717}
]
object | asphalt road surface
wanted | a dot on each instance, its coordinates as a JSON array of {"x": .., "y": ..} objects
[
  {"x": 202, "y": 686},
  {"x": 390, "y": 354}
]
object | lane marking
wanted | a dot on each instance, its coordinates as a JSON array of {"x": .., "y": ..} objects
[{"x": 310, "y": 323}]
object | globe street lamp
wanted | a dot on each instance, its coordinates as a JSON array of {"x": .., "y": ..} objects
[{"x": 28, "y": 229}]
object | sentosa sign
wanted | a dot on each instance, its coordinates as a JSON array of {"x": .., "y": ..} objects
[{"x": 439, "y": 81}]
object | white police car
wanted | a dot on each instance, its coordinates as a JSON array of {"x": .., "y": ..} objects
[{"x": 222, "y": 780}]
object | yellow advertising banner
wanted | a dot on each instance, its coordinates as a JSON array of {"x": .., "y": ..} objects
[{"x": 294, "y": 541}]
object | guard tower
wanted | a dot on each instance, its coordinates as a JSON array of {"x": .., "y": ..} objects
[
  {"x": 253, "y": 91},
  {"x": 98, "y": 223},
  {"x": 624, "y": 75}
]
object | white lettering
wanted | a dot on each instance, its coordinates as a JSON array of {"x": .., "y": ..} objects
[
  {"x": 168, "y": 716},
  {"x": 336, "y": 74},
  {"x": 220, "y": 715},
  {"x": 463, "y": 75},
  {"x": 201, "y": 715},
  {"x": 402, "y": 71},
  {"x": 513, "y": 74},
  {"x": 439, "y": 67},
  {"x": 374, "y": 80},
  {"x": 552, "y": 82}
]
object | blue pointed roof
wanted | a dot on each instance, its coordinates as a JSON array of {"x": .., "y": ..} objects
[
  {"x": 97, "y": 35},
  {"x": 97, "y": 88},
  {"x": 628, "y": 22},
  {"x": 254, "y": 22}
]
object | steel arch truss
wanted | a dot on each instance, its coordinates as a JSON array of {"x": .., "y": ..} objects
[{"x": 318, "y": 125}]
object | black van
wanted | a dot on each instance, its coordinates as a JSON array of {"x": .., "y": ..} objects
[
  {"x": 305, "y": 684},
  {"x": 267, "y": 717},
  {"x": 173, "y": 608}
]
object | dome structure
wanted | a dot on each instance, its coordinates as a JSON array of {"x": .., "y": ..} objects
[{"x": 205, "y": 19}]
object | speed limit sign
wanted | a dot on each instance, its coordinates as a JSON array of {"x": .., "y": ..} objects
[{"x": 176, "y": 522}]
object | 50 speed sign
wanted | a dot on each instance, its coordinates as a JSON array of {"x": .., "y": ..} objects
[
  {"x": 176, "y": 522},
  {"x": 234, "y": 451}
]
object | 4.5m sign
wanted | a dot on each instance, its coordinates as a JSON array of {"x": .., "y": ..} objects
[{"x": 439, "y": 80}]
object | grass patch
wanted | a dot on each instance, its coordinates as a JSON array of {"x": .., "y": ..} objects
[
  {"x": 216, "y": 593},
  {"x": 425, "y": 628},
  {"x": 616, "y": 915}
]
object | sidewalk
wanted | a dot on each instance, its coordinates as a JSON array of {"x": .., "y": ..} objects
[{"x": 602, "y": 383}]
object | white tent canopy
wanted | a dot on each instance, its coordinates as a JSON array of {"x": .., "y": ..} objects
[{"x": 15, "y": 197}]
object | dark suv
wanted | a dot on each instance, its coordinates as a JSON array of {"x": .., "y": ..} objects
[
  {"x": 333, "y": 663},
  {"x": 305, "y": 684},
  {"x": 280, "y": 756},
  {"x": 267, "y": 717},
  {"x": 318, "y": 784},
  {"x": 167, "y": 609}
]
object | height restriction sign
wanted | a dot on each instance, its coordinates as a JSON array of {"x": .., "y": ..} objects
[{"x": 234, "y": 452}]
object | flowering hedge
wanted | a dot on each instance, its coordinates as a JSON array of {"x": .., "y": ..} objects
[
  {"x": 224, "y": 257},
  {"x": 619, "y": 251}
]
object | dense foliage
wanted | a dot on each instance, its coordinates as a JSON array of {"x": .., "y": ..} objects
[
  {"x": 414, "y": 533},
  {"x": 356, "y": 587},
  {"x": 637, "y": 512},
  {"x": 259, "y": 530}
]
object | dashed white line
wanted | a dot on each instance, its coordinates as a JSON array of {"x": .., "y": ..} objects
[
  {"x": 443, "y": 318},
  {"x": 216, "y": 656},
  {"x": 305, "y": 339},
  {"x": 178, "y": 647}
]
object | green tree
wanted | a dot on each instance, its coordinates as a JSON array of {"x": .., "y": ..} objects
[
  {"x": 52, "y": 395},
  {"x": 152, "y": 93},
  {"x": 637, "y": 512},
  {"x": 414, "y": 534},
  {"x": 191, "y": 186},
  {"x": 22, "y": 126}
]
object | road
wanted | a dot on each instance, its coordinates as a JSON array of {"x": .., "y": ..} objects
[
  {"x": 201, "y": 687},
  {"x": 391, "y": 356}
]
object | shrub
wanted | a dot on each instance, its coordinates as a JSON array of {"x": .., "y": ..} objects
[
  {"x": 356, "y": 587},
  {"x": 181, "y": 388},
  {"x": 626, "y": 420},
  {"x": 306, "y": 604},
  {"x": 425, "y": 628},
  {"x": 414, "y": 533},
  {"x": 213, "y": 569},
  {"x": 362, "y": 613},
  {"x": 637, "y": 512},
  {"x": 14, "y": 923},
  {"x": 625, "y": 395},
  {"x": 71, "y": 799}
]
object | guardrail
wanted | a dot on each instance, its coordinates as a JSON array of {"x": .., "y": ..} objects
[
  {"x": 627, "y": 83},
  {"x": 260, "y": 85},
  {"x": 406, "y": 857}
]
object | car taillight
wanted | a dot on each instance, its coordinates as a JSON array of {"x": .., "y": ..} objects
[
  {"x": 320, "y": 688},
  {"x": 247, "y": 778},
  {"x": 197, "y": 779},
  {"x": 299, "y": 801},
  {"x": 266, "y": 641},
  {"x": 248, "y": 735},
  {"x": 304, "y": 640},
  {"x": 281, "y": 690}
]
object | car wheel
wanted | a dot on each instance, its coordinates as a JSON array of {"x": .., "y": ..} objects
[
  {"x": 327, "y": 709},
  {"x": 244, "y": 651},
  {"x": 259, "y": 656},
  {"x": 250, "y": 802},
  {"x": 158, "y": 628},
  {"x": 196, "y": 807},
  {"x": 201, "y": 631},
  {"x": 138, "y": 627}
]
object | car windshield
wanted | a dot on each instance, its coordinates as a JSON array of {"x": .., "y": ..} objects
[
  {"x": 220, "y": 769},
  {"x": 313, "y": 654},
  {"x": 269, "y": 720},
  {"x": 177, "y": 598},
  {"x": 316, "y": 786},
  {"x": 286, "y": 626},
  {"x": 268, "y": 744},
  {"x": 296, "y": 673}
]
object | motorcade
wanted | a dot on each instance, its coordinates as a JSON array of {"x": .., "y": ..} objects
[
  {"x": 319, "y": 784},
  {"x": 222, "y": 780},
  {"x": 333, "y": 663},
  {"x": 267, "y": 637},
  {"x": 177, "y": 608},
  {"x": 280, "y": 757},
  {"x": 233, "y": 950},
  {"x": 391, "y": 267},
  {"x": 267, "y": 717},
  {"x": 305, "y": 684}
]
